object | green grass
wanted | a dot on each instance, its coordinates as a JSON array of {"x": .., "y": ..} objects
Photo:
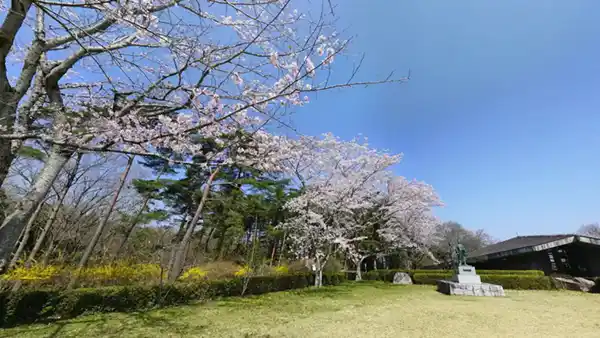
[{"x": 370, "y": 309}]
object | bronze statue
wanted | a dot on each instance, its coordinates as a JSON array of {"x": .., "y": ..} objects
[{"x": 460, "y": 255}]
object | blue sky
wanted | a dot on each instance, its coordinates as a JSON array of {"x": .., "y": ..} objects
[{"x": 501, "y": 115}]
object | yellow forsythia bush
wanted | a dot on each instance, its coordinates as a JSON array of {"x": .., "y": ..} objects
[
  {"x": 193, "y": 273},
  {"x": 120, "y": 273},
  {"x": 33, "y": 273},
  {"x": 115, "y": 274},
  {"x": 243, "y": 271},
  {"x": 282, "y": 270},
  {"x": 220, "y": 269}
]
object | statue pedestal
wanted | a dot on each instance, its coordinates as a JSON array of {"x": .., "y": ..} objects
[
  {"x": 466, "y": 282},
  {"x": 466, "y": 274}
]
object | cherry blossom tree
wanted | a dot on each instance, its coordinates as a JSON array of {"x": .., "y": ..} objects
[
  {"x": 399, "y": 217},
  {"x": 408, "y": 219},
  {"x": 592, "y": 229},
  {"x": 337, "y": 178},
  {"x": 135, "y": 76},
  {"x": 352, "y": 202}
]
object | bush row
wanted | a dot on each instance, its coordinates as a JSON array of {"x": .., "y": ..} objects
[
  {"x": 26, "y": 306},
  {"x": 492, "y": 272},
  {"x": 120, "y": 273},
  {"x": 517, "y": 282},
  {"x": 124, "y": 273},
  {"x": 525, "y": 280},
  {"x": 388, "y": 275}
]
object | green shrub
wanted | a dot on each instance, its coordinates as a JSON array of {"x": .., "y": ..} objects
[
  {"x": 108, "y": 299},
  {"x": 27, "y": 306},
  {"x": 383, "y": 275},
  {"x": 430, "y": 278},
  {"x": 487, "y": 272},
  {"x": 333, "y": 265},
  {"x": 388, "y": 275},
  {"x": 514, "y": 279},
  {"x": 511, "y": 272},
  {"x": 518, "y": 282},
  {"x": 333, "y": 278},
  {"x": 298, "y": 267}
]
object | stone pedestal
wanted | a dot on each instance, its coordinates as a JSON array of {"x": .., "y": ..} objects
[
  {"x": 466, "y": 282},
  {"x": 461, "y": 289},
  {"x": 466, "y": 274}
]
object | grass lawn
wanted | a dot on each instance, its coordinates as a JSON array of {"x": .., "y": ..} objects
[{"x": 353, "y": 310}]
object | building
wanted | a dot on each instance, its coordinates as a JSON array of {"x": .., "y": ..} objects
[{"x": 573, "y": 255}]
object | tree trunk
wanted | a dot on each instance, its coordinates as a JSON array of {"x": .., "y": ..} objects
[
  {"x": 176, "y": 239},
  {"x": 13, "y": 224},
  {"x": 359, "y": 268},
  {"x": 48, "y": 253},
  {"x": 9, "y": 96},
  {"x": 42, "y": 236},
  {"x": 50, "y": 222},
  {"x": 135, "y": 220},
  {"x": 132, "y": 226},
  {"x": 200, "y": 238},
  {"x": 59, "y": 155},
  {"x": 25, "y": 237},
  {"x": 208, "y": 239},
  {"x": 273, "y": 252},
  {"x": 181, "y": 248},
  {"x": 220, "y": 244},
  {"x": 318, "y": 273},
  {"x": 319, "y": 277},
  {"x": 90, "y": 248},
  {"x": 6, "y": 159},
  {"x": 319, "y": 266},
  {"x": 281, "y": 249}
]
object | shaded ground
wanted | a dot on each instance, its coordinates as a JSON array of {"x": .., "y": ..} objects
[{"x": 365, "y": 310}]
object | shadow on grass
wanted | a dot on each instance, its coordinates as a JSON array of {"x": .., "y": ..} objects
[
  {"x": 171, "y": 318},
  {"x": 57, "y": 327},
  {"x": 293, "y": 301},
  {"x": 283, "y": 296}
]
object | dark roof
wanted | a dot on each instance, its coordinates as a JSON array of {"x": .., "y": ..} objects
[
  {"x": 523, "y": 244},
  {"x": 517, "y": 243}
]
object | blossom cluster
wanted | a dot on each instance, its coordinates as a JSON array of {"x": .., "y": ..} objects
[
  {"x": 344, "y": 180},
  {"x": 137, "y": 76}
]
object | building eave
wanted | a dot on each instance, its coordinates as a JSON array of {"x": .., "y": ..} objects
[
  {"x": 534, "y": 248},
  {"x": 589, "y": 240}
]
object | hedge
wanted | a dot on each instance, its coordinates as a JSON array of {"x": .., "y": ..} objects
[
  {"x": 26, "y": 306},
  {"x": 388, "y": 275},
  {"x": 492, "y": 272},
  {"x": 518, "y": 282},
  {"x": 509, "y": 279}
]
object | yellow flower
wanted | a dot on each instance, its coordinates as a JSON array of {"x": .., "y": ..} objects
[
  {"x": 121, "y": 272},
  {"x": 193, "y": 273},
  {"x": 33, "y": 273},
  {"x": 282, "y": 270},
  {"x": 243, "y": 271}
]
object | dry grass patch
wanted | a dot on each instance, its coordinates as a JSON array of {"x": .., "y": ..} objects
[{"x": 363, "y": 310}]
